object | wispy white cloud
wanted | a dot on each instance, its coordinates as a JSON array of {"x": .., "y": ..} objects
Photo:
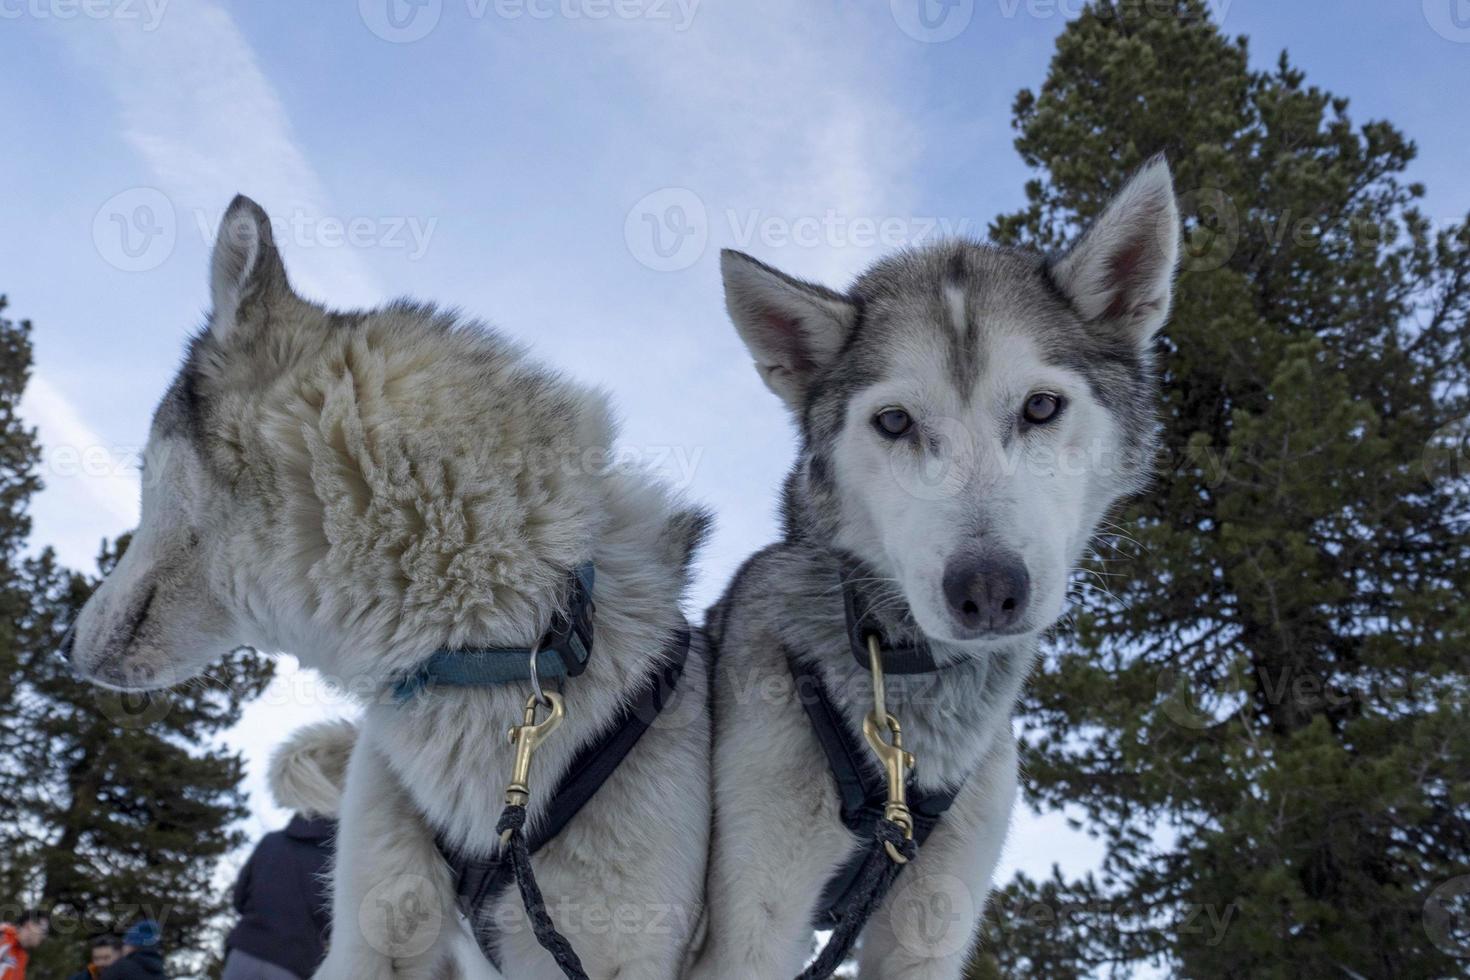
[
  {"x": 787, "y": 111},
  {"x": 208, "y": 124},
  {"x": 91, "y": 487}
]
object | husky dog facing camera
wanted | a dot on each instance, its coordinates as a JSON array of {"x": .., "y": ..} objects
[
  {"x": 967, "y": 415},
  {"x": 370, "y": 490}
]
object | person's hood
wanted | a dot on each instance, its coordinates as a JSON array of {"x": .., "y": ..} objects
[
  {"x": 314, "y": 829},
  {"x": 151, "y": 957}
]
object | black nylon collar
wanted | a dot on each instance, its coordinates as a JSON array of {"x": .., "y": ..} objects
[{"x": 902, "y": 659}]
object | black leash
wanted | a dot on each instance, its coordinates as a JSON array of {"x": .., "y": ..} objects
[
  {"x": 875, "y": 877},
  {"x": 510, "y": 825}
]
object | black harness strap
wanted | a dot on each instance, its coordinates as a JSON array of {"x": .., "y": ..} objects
[
  {"x": 854, "y": 893},
  {"x": 481, "y": 876},
  {"x": 862, "y": 788}
]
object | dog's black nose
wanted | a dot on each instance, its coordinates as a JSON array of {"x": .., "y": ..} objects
[
  {"x": 67, "y": 642},
  {"x": 987, "y": 593}
]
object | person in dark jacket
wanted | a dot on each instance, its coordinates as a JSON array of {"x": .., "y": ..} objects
[
  {"x": 284, "y": 902},
  {"x": 105, "y": 951},
  {"x": 142, "y": 958}
]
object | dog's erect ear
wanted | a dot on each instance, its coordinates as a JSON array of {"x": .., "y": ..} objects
[
  {"x": 245, "y": 271},
  {"x": 793, "y": 328},
  {"x": 1122, "y": 271}
]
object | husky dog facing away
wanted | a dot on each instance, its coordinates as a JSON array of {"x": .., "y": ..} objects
[
  {"x": 364, "y": 489},
  {"x": 967, "y": 415}
]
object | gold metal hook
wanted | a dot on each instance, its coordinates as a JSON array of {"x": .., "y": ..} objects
[
  {"x": 895, "y": 759},
  {"x": 527, "y": 737}
]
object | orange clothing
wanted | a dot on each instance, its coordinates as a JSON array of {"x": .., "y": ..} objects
[{"x": 13, "y": 956}]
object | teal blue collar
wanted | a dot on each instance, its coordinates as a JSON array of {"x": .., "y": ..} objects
[{"x": 562, "y": 652}]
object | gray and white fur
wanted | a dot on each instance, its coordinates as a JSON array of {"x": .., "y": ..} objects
[
  {"x": 364, "y": 488},
  {"x": 1025, "y": 396}
]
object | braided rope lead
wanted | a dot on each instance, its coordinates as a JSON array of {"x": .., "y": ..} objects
[
  {"x": 512, "y": 820},
  {"x": 874, "y": 879}
]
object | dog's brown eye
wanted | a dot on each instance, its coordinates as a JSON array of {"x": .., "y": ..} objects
[
  {"x": 893, "y": 422},
  {"x": 1042, "y": 407}
]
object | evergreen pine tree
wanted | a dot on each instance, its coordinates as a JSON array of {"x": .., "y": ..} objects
[
  {"x": 1261, "y": 706},
  {"x": 19, "y": 458},
  {"x": 117, "y": 806}
]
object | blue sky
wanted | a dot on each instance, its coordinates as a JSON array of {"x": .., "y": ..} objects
[{"x": 566, "y": 169}]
